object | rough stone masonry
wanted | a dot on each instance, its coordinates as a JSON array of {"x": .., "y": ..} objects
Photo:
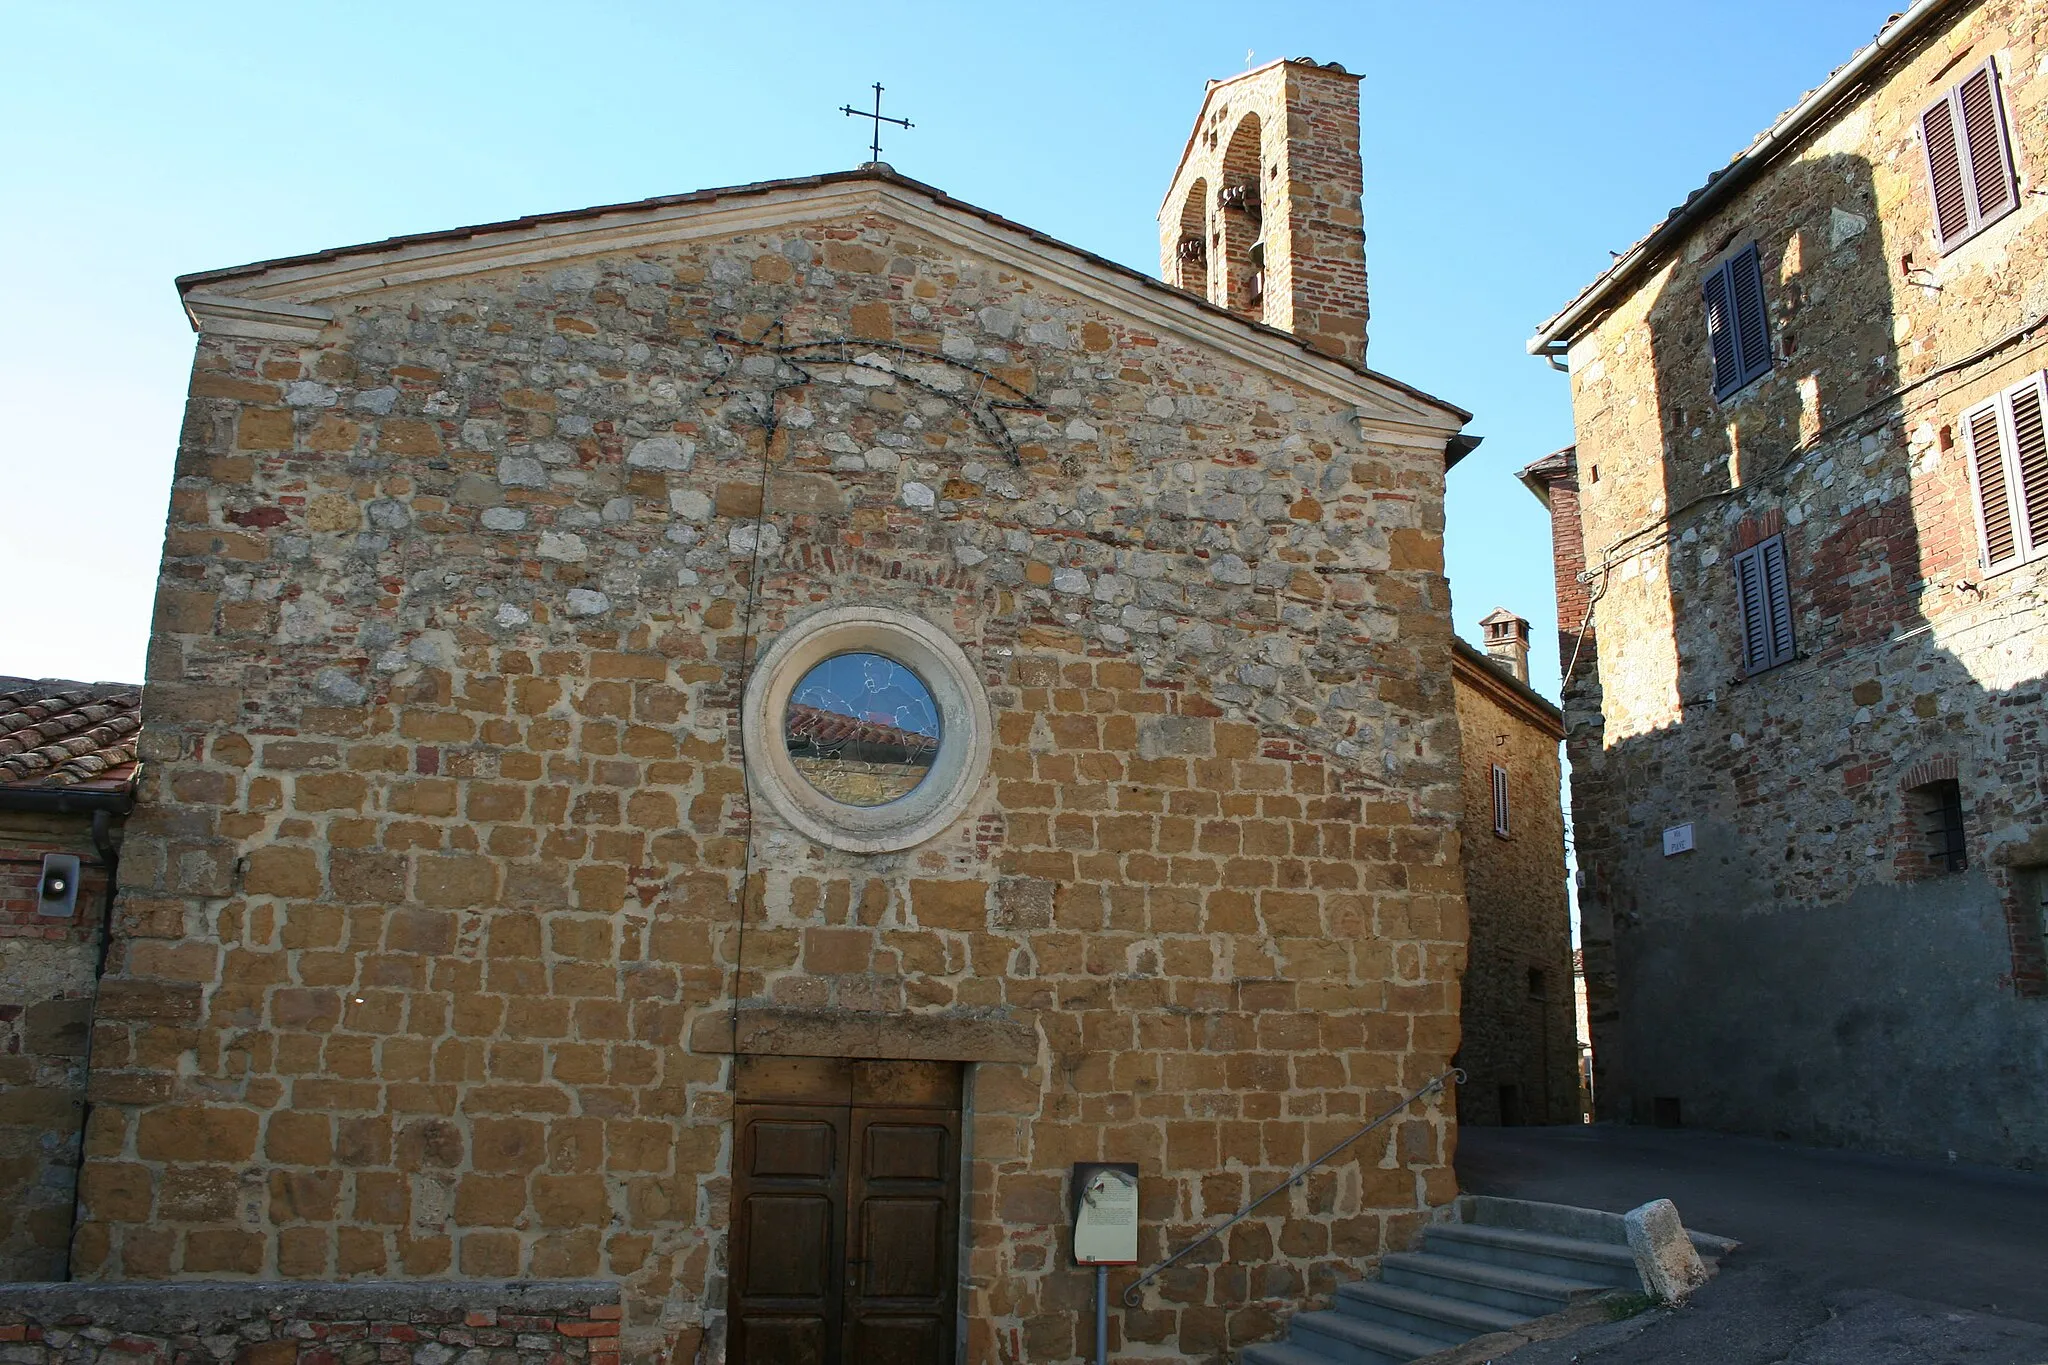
[
  {"x": 1808, "y": 969},
  {"x": 447, "y": 886}
]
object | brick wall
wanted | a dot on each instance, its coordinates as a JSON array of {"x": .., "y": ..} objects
[
  {"x": 1292, "y": 127},
  {"x": 45, "y": 1006},
  {"x": 525, "y": 1323},
  {"x": 433, "y": 909},
  {"x": 1804, "y": 884}
]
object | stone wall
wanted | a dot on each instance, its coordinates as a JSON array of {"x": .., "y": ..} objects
[
  {"x": 1292, "y": 128},
  {"x": 46, "y": 985},
  {"x": 446, "y": 875},
  {"x": 1517, "y": 1030},
  {"x": 1805, "y": 972},
  {"x": 524, "y": 1323}
]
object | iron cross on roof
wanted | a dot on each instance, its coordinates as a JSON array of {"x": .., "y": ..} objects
[{"x": 878, "y": 116}]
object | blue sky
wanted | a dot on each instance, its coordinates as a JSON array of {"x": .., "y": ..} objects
[{"x": 1508, "y": 148}]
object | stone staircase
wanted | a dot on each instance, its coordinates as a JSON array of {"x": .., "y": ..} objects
[{"x": 1500, "y": 1264}]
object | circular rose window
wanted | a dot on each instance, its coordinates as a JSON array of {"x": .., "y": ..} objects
[
  {"x": 862, "y": 728},
  {"x": 866, "y": 728}
]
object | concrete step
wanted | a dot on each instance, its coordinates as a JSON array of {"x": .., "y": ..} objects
[
  {"x": 1352, "y": 1340},
  {"x": 1428, "y": 1315},
  {"x": 1519, "y": 1291},
  {"x": 1568, "y": 1258},
  {"x": 1280, "y": 1353}
]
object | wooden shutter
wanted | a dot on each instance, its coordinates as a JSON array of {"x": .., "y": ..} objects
[
  {"x": 1738, "y": 321},
  {"x": 1752, "y": 322},
  {"x": 1763, "y": 591},
  {"x": 1721, "y": 334},
  {"x": 2008, "y": 449},
  {"x": 1983, "y": 120},
  {"x": 1500, "y": 800},
  {"x": 1777, "y": 599},
  {"x": 2029, "y": 470},
  {"x": 1945, "y": 172},
  {"x": 1969, "y": 157}
]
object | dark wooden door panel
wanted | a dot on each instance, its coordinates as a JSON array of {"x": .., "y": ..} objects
[
  {"x": 789, "y": 1234},
  {"x": 771, "y": 1339},
  {"x": 877, "y": 1340},
  {"x": 903, "y": 1195},
  {"x": 793, "y": 1150},
  {"x": 900, "y": 1248},
  {"x": 846, "y": 1215},
  {"x": 789, "y": 1246}
]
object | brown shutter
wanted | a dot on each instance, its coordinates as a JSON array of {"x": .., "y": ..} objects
[
  {"x": 1945, "y": 172},
  {"x": 1983, "y": 121},
  {"x": 1987, "y": 475},
  {"x": 2030, "y": 463}
]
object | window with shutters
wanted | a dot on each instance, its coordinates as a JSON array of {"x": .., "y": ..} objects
[
  {"x": 1738, "y": 324},
  {"x": 1500, "y": 801},
  {"x": 1970, "y": 175},
  {"x": 2008, "y": 454},
  {"x": 1763, "y": 591}
]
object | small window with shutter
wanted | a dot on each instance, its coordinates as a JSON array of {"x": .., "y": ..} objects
[
  {"x": 1970, "y": 174},
  {"x": 1763, "y": 591},
  {"x": 1500, "y": 801},
  {"x": 1738, "y": 324},
  {"x": 2008, "y": 454}
]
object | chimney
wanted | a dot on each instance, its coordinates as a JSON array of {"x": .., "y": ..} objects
[
  {"x": 1263, "y": 217},
  {"x": 1554, "y": 480},
  {"x": 1507, "y": 642}
]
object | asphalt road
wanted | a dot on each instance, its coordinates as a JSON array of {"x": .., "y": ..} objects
[{"x": 1847, "y": 1259}]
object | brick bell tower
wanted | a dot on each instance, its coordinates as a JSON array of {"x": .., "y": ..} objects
[{"x": 1263, "y": 217}]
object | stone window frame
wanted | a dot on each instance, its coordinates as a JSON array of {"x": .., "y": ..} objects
[
  {"x": 1501, "y": 827},
  {"x": 965, "y": 724}
]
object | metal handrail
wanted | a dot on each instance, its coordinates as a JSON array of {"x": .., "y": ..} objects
[{"x": 1454, "y": 1076}]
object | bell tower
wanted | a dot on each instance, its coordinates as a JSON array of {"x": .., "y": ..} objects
[{"x": 1263, "y": 217}]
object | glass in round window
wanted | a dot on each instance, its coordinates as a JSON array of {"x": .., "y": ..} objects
[{"x": 862, "y": 729}]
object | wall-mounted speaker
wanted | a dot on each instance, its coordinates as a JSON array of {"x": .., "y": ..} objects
[{"x": 57, "y": 897}]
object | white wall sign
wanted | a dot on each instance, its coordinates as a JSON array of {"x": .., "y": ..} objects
[
  {"x": 1678, "y": 839},
  {"x": 1105, "y": 1199}
]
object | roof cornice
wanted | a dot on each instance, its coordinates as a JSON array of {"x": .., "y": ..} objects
[
  {"x": 1471, "y": 666},
  {"x": 1565, "y": 326},
  {"x": 288, "y": 297}
]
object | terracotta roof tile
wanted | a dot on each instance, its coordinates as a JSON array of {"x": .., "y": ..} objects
[{"x": 55, "y": 734}]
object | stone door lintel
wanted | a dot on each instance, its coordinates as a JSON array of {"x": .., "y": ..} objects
[{"x": 771, "y": 1031}]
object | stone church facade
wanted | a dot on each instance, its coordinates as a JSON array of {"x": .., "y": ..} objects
[{"x": 485, "y": 917}]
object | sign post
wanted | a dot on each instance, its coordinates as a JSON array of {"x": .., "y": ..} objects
[{"x": 1104, "y": 1198}]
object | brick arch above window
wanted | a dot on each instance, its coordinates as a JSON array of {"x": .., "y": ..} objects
[{"x": 1939, "y": 768}]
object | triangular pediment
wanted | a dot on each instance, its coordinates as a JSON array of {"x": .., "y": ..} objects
[{"x": 295, "y": 297}]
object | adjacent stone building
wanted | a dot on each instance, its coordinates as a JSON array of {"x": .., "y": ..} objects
[
  {"x": 1517, "y": 1046},
  {"x": 67, "y": 777},
  {"x": 710, "y": 748},
  {"x": 1798, "y": 546}
]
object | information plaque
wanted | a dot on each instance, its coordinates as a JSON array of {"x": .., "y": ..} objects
[{"x": 1105, "y": 1207}]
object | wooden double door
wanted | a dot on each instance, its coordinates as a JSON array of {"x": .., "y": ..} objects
[{"x": 846, "y": 1212}]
